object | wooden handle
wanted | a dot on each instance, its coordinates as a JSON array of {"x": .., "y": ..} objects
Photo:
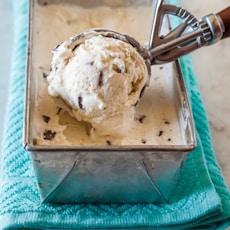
[{"x": 225, "y": 16}]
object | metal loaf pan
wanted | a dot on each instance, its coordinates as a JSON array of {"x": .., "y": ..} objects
[{"x": 130, "y": 173}]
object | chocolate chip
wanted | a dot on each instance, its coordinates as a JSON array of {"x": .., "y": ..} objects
[
  {"x": 55, "y": 49},
  {"x": 49, "y": 135},
  {"x": 37, "y": 161},
  {"x": 160, "y": 133},
  {"x": 161, "y": 67},
  {"x": 45, "y": 118},
  {"x": 80, "y": 102},
  {"x": 143, "y": 141},
  {"x": 75, "y": 47},
  {"x": 100, "y": 79},
  {"x": 45, "y": 75},
  {"x": 57, "y": 46},
  {"x": 142, "y": 118},
  {"x": 167, "y": 122},
  {"x": 108, "y": 142},
  {"x": 169, "y": 139},
  {"x": 90, "y": 63}
]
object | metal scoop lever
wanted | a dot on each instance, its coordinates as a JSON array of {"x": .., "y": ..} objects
[{"x": 186, "y": 37}]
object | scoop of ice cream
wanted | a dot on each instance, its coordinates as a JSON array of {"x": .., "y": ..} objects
[{"x": 100, "y": 81}]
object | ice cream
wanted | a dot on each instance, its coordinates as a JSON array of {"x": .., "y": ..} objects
[
  {"x": 156, "y": 119},
  {"x": 100, "y": 81}
]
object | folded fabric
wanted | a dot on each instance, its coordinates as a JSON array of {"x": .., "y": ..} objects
[{"x": 201, "y": 197}]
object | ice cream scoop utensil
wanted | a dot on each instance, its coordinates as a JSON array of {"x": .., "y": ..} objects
[{"x": 188, "y": 36}]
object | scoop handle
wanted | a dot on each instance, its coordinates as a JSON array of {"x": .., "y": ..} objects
[{"x": 225, "y": 16}]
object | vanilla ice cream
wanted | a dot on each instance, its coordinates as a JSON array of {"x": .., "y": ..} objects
[
  {"x": 153, "y": 121},
  {"x": 101, "y": 82}
]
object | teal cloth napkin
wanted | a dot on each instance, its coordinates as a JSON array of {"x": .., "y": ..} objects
[{"x": 200, "y": 199}]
